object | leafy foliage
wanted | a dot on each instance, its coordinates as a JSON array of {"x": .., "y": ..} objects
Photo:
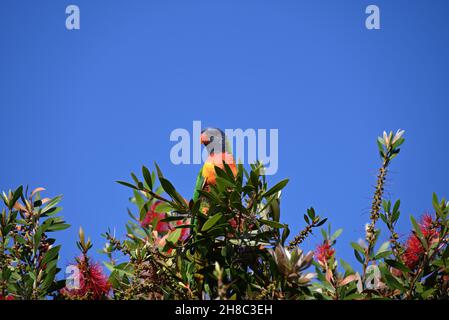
[
  {"x": 235, "y": 248},
  {"x": 223, "y": 252},
  {"x": 28, "y": 255}
]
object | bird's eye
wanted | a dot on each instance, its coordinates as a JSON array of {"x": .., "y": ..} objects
[{"x": 211, "y": 139}]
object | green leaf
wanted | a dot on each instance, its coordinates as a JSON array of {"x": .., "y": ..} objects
[
  {"x": 399, "y": 142},
  {"x": 384, "y": 218},
  {"x": 354, "y": 296},
  {"x": 224, "y": 182},
  {"x": 358, "y": 256},
  {"x": 275, "y": 210},
  {"x": 172, "y": 218},
  {"x": 211, "y": 222},
  {"x": 383, "y": 248},
  {"x": 254, "y": 178},
  {"x": 445, "y": 254},
  {"x": 382, "y": 255},
  {"x": 220, "y": 172},
  {"x": 51, "y": 254},
  {"x": 436, "y": 206},
  {"x": 163, "y": 207},
  {"x": 171, "y": 191},
  {"x": 174, "y": 236},
  {"x": 419, "y": 233},
  {"x": 397, "y": 265},
  {"x": 347, "y": 267},
  {"x": 311, "y": 213},
  {"x": 228, "y": 171},
  {"x": 126, "y": 184},
  {"x": 185, "y": 226},
  {"x": 435, "y": 200},
  {"x": 395, "y": 216},
  {"x": 324, "y": 233},
  {"x": 15, "y": 197},
  {"x": 386, "y": 205},
  {"x": 380, "y": 143},
  {"x": 279, "y": 186},
  {"x": 319, "y": 224},
  {"x": 123, "y": 269},
  {"x": 109, "y": 266},
  {"x": 51, "y": 212},
  {"x": 136, "y": 181},
  {"x": 147, "y": 177},
  {"x": 158, "y": 170},
  {"x": 140, "y": 202},
  {"x": 51, "y": 204},
  {"x": 209, "y": 195},
  {"x": 285, "y": 234},
  {"x": 396, "y": 206},
  {"x": 272, "y": 224},
  {"x": 428, "y": 293},
  {"x": 306, "y": 219},
  {"x": 393, "y": 282},
  {"x": 58, "y": 226},
  {"x": 336, "y": 234},
  {"x": 357, "y": 247},
  {"x": 49, "y": 278}
]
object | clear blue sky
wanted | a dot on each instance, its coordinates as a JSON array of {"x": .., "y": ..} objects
[{"x": 81, "y": 109}]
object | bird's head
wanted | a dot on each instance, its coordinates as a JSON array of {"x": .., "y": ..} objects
[{"x": 214, "y": 140}]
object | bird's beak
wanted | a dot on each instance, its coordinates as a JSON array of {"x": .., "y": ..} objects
[{"x": 204, "y": 139}]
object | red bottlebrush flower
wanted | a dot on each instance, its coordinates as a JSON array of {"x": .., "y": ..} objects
[
  {"x": 241, "y": 224},
  {"x": 151, "y": 215},
  {"x": 93, "y": 283},
  {"x": 185, "y": 232},
  {"x": 324, "y": 252},
  {"x": 235, "y": 225},
  {"x": 8, "y": 297},
  {"x": 428, "y": 228},
  {"x": 414, "y": 250}
]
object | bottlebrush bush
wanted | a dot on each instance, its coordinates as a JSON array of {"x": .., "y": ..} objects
[
  {"x": 28, "y": 255},
  {"x": 229, "y": 243}
]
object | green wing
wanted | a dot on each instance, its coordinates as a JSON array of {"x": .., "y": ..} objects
[
  {"x": 228, "y": 146},
  {"x": 199, "y": 185}
]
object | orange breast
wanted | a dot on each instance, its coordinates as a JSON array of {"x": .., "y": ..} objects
[{"x": 217, "y": 160}]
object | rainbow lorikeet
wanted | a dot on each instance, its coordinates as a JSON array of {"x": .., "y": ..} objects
[{"x": 218, "y": 152}]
